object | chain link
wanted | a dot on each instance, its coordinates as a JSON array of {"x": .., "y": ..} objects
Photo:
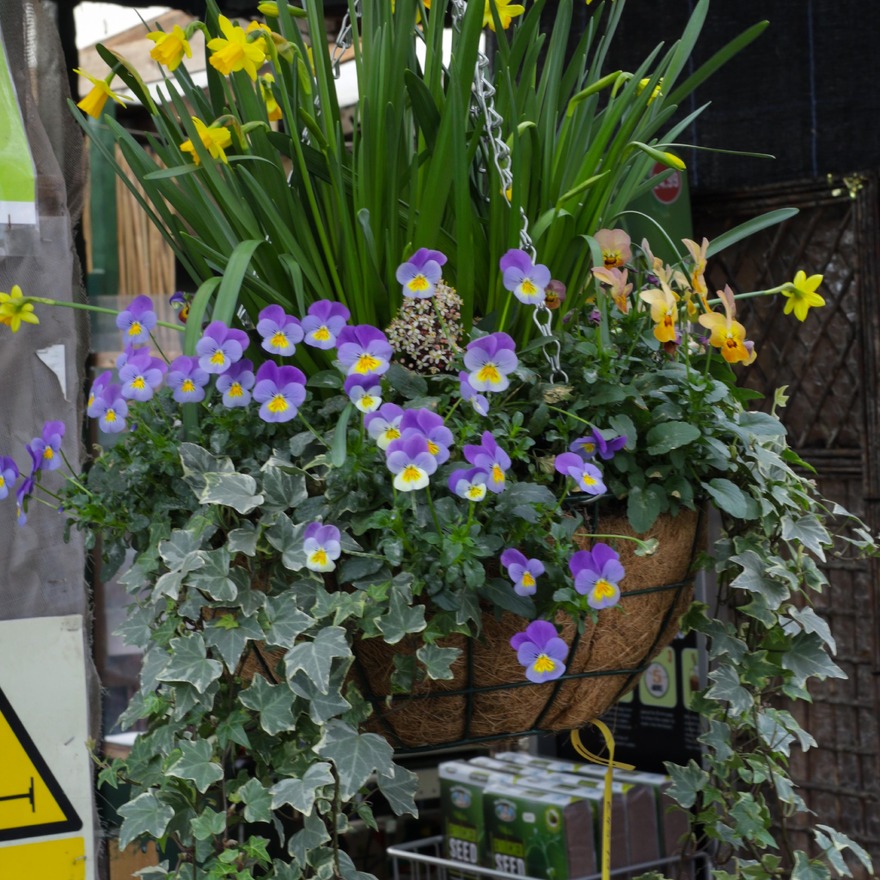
[
  {"x": 343, "y": 39},
  {"x": 484, "y": 100}
]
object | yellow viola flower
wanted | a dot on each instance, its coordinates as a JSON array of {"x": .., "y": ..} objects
[
  {"x": 233, "y": 51},
  {"x": 93, "y": 103},
  {"x": 170, "y": 47},
  {"x": 801, "y": 295},
  {"x": 664, "y": 311},
  {"x": 507, "y": 11},
  {"x": 273, "y": 110},
  {"x": 727, "y": 334},
  {"x": 15, "y": 308},
  {"x": 215, "y": 139},
  {"x": 698, "y": 255}
]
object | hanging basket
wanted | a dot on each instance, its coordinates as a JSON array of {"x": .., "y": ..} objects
[{"x": 488, "y": 697}]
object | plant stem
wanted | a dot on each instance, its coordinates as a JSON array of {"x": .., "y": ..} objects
[{"x": 98, "y": 309}]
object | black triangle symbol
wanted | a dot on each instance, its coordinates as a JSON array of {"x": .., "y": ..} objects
[{"x": 71, "y": 821}]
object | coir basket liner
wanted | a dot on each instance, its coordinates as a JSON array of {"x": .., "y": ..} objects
[{"x": 487, "y": 698}]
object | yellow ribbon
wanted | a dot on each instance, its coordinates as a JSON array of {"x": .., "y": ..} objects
[{"x": 610, "y": 763}]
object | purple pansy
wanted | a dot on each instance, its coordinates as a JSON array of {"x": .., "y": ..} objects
[
  {"x": 187, "y": 379},
  {"x": 595, "y": 444},
  {"x": 411, "y": 462},
  {"x": 430, "y": 424},
  {"x": 236, "y": 383},
  {"x": 525, "y": 280},
  {"x": 522, "y": 571},
  {"x": 541, "y": 651},
  {"x": 478, "y": 401},
  {"x": 8, "y": 475},
  {"x": 22, "y": 493},
  {"x": 45, "y": 450},
  {"x": 597, "y": 573},
  {"x": 469, "y": 484},
  {"x": 323, "y": 323},
  {"x": 280, "y": 331},
  {"x": 280, "y": 390},
  {"x": 95, "y": 392},
  {"x": 491, "y": 458},
  {"x": 587, "y": 476},
  {"x": 111, "y": 410},
  {"x": 137, "y": 320},
  {"x": 419, "y": 275},
  {"x": 384, "y": 424},
  {"x": 364, "y": 350},
  {"x": 220, "y": 347},
  {"x": 141, "y": 375},
  {"x": 365, "y": 392},
  {"x": 490, "y": 359},
  {"x": 322, "y": 547}
]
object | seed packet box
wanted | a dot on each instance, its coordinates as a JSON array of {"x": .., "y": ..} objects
[
  {"x": 461, "y": 804},
  {"x": 539, "y": 833},
  {"x": 671, "y": 821}
]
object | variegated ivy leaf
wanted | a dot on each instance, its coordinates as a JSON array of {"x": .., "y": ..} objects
[
  {"x": 807, "y": 530},
  {"x": 196, "y": 762},
  {"x": 146, "y": 814},
  {"x": 257, "y": 800},
  {"x": 243, "y": 540},
  {"x": 212, "y": 576},
  {"x": 230, "y": 634},
  {"x": 273, "y": 702},
  {"x": 197, "y": 462},
  {"x": 188, "y": 662},
  {"x": 302, "y": 793},
  {"x": 322, "y": 706},
  {"x": 208, "y": 824},
  {"x": 727, "y": 688},
  {"x": 282, "y": 490},
  {"x": 756, "y": 578},
  {"x": 288, "y": 539},
  {"x": 805, "y": 869},
  {"x": 808, "y": 658},
  {"x": 807, "y": 620},
  {"x": 401, "y": 619},
  {"x": 312, "y": 836},
  {"x": 285, "y": 622},
  {"x": 136, "y": 630},
  {"x": 181, "y": 544},
  {"x": 833, "y": 843},
  {"x": 438, "y": 661},
  {"x": 238, "y": 491},
  {"x": 356, "y": 756},
  {"x": 315, "y": 658},
  {"x": 687, "y": 782},
  {"x": 399, "y": 790}
]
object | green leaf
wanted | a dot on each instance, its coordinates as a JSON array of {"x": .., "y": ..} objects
[
  {"x": 257, "y": 801},
  {"x": 230, "y": 641},
  {"x": 196, "y": 763},
  {"x": 752, "y": 820},
  {"x": 208, "y": 824},
  {"x": 243, "y": 540},
  {"x": 406, "y": 383},
  {"x": 197, "y": 462},
  {"x": 284, "y": 621},
  {"x": 212, "y": 576},
  {"x": 399, "y": 790},
  {"x": 302, "y": 793},
  {"x": 401, "y": 619},
  {"x": 811, "y": 622},
  {"x": 282, "y": 490},
  {"x": 727, "y": 688},
  {"x": 808, "y": 658},
  {"x": 687, "y": 782},
  {"x": 438, "y": 661},
  {"x": 322, "y": 706},
  {"x": 754, "y": 578},
  {"x": 188, "y": 663},
  {"x": 356, "y": 756},
  {"x": 833, "y": 843},
  {"x": 808, "y": 531},
  {"x": 288, "y": 538},
  {"x": 273, "y": 702},
  {"x": 146, "y": 814},
  {"x": 305, "y": 842},
  {"x": 231, "y": 490},
  {"x": 750, "y": 227},
  {"x": 339, "y": 447},
  {"x": 807, "y": 869},
  {"x": 667, "y": 436},
  {"x": 644, "y": 506},
  {"x": 728, "y": 497},
  {"x": 315, "y": 658}
]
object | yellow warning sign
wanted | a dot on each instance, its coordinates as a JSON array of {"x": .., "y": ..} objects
[
  {"x": 32, "y": 802},
  {"x": 59, "y": 859}
]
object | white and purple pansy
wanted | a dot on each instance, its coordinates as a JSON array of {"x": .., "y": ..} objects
[
  {"x": 430, "y": 424},
  {"x": 597, "y": 575},
  {"x": 541, "y": 651},
  {"x": 187, "y": 379},
  {"x": 490, "y": 359},
  {"x": 525, "y": 280},
  {"x": 469, "y": 484},
  {"x": 323, "y": 323},
  {"x": 363, "y": 350},
  {"x": 411, "y": 462},
  {"x": 322, "y": 546},
  {"x": 587, "y": 477},
  {"x": 383, "y": 426},
  {"x": 236, "y": 383},
  {"x": 522, "y": 571},
  {"x": 419, "y": 275},
  {"x": 365, "y": 392},
  {"x": 492, "y": 459},
  {"x": 220, "y": 347}
]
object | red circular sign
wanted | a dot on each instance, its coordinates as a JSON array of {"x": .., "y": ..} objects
[{"x": 667, "y": 191}]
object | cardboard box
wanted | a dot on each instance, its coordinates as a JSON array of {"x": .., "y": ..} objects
[{"x": 540, "y": 833}]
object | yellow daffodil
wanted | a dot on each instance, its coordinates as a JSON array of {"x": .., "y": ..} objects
[
  {"x": 664, "y": 311},
  {"x": 619, "y": 289},
  {"x": 727, "y": 334},
  {"x": 801, "y": 295},
  {"x": 233, "y": 51},
  {"x": 170, "y": 47},
  {"x": 215, "y": 139},
  {"x": 655, "y": 92},
  {"x": 615, "y": 246},
  {"x": 93, "y": 103},
  {"x": 15, "y": 308},
  {"x": 507, "y": 11},
  {"x": 273, "y": 111}
]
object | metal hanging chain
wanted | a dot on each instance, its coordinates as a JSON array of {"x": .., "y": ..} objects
[
  {"x": 343, "y": 39},
  {"x": 484, "y": 99}
]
